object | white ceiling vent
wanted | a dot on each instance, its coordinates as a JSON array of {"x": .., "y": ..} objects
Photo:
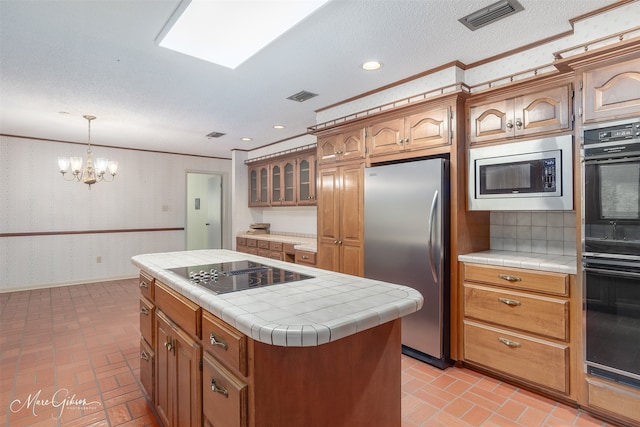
[
  {"x": 491, "y": 14},
  {"x": 302, "y": 96}
]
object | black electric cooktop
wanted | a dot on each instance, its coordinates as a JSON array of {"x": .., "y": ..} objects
[{"x": 235, "y": 276}]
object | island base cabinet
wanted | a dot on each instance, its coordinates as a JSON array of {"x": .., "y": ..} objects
[
  {"x": 534, "y": 360},
  {"x": 178, "y": 375},
  {"x": 147, "y": 367},
  {"x": 353, "y": 381},
  {"x": 224, "y": 396}
]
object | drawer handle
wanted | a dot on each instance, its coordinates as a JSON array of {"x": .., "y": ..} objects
[
  {"x": 144, "y": 355},
  {"x": 217, "y": 341},
  {"x": 144, "y": 310},
  {"x": 509, "y": 343},
  {"x": 144, "y": 285},
  {"x": 305, "y": 257},
  {"x": 509, "y": 302},
  {"x": 509, "y": 278},
  {"x": 216, "y": 388}
]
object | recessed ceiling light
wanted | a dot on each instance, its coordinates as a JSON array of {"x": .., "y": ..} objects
[
  {"x": 278, "y": 126},
  {"x": 246, "y": 138},
  {"x": 229, "y": 32},
  {"x": 371, "y": 65}
]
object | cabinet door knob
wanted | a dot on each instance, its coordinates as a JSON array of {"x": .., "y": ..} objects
[
  {"x": 509, "y": 278},
  {"x": 518, "y": 123},
  {"x": 509, "y": 125},
  {"x": 217, "y": 341},
  {"x": 217, "y": 388}
]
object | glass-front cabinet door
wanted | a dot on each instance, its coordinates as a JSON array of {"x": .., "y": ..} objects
[
  {"x": 283, "y": 183},
  {"x": 307, "y": 175},
  {"x": 259, "y": 185}
]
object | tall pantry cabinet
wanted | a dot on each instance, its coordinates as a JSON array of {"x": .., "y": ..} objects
[{"x": 340, "y": 202}]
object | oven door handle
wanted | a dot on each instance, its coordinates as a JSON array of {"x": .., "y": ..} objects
[
  {"x": 612, "y": 272},
  {"x": 609, "y": 158}
]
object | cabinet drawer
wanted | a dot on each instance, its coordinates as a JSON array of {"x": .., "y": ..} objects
[
  {"x": 263, "y": 244},
  {"x": 147, "y": 286},
  {"x": 179, "y": 309},
  {"x": 252, "y": 251},
  {"x": 275, "y": 246},
  {"x": 264, "y": 252},
  {"x": 241, "y": 241},
  {"x": 517, "y": 278},
  {"x": 276, "y": 255},
  {"x": 147, "y": 320},
  {"x": 224, "y": 397},
  {"x": 533, "y": 360},
  {"x": 305, "y": 257},
  {"x": 224, "y": 342},
  {"x": 540, "y": 315},
  {"x": 252, "y": 243},
  {"x": 288, "y": 248},
  {"x": 147, "y": 365}
]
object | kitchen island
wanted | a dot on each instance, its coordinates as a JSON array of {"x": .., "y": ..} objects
[{"x": 319, "y": 351}]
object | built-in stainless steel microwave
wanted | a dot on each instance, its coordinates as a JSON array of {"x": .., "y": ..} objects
[{"x": 526, "y": 175}]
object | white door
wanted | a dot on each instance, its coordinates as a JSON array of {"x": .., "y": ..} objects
[{"x": 204, "y": 211}]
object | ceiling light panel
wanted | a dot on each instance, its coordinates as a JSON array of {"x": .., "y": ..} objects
[{"x": 228, "y": 32}]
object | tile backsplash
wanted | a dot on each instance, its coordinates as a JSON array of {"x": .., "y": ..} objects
[{"x": 546, "y": 232}]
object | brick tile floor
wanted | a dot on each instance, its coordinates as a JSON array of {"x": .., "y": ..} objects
[{"x": 80, "y": 345}]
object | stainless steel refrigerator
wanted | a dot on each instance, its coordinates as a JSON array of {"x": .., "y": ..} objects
[{"x": 405, "y": 242}]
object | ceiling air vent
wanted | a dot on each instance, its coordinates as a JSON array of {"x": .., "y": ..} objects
[
  {"x": 215, "y": 135},
  {"x": 491, "y": 14},
  {"x": 302, "y": 96}
]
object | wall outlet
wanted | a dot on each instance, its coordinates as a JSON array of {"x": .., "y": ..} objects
[{"x": 98, "y": 259}]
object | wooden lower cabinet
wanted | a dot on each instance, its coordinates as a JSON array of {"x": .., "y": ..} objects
[
  {"x": 214, "y": 375},
  {"x": 178, "y": 376},
  {"x": 225, "y": 398},
  {"x": 305, "y": 257},
  {"x": 523, "y": 356},
  {"x": 518, "y": 325}
]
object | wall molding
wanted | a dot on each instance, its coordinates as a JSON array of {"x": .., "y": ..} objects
[{"x": 112, "y": 231}]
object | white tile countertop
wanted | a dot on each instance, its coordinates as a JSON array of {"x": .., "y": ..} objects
[
  {"x": 530, "y": 260},
  {"x": 305, "y": 313},
  {"x": 299, "y": 242}
]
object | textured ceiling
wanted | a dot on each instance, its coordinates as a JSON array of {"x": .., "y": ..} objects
[{"x": 99, "y": 57}]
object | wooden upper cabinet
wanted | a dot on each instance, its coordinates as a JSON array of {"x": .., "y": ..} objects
[
  {"x": 385, "y": 137},
  {"x": 612, "y": 92},
  {"x": 544, "y": 111},
  {"x": 283, "y": 182},
  {"x": 259, "y": 185},
  {"x": 412, "y": 133},
  {"x": 306, "y": 179},
  {"x": 286, "y": 180},
  {"x": 428, "y": 129},
  {"x": 341, "y": 147}
]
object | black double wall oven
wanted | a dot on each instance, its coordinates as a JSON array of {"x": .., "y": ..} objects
[{"x": 611, "y": 251}]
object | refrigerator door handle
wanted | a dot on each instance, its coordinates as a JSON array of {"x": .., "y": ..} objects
[{"x": 432, "y": 213}]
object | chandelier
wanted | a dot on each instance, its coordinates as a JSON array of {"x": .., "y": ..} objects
[{"x": 90, "y": 174}]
